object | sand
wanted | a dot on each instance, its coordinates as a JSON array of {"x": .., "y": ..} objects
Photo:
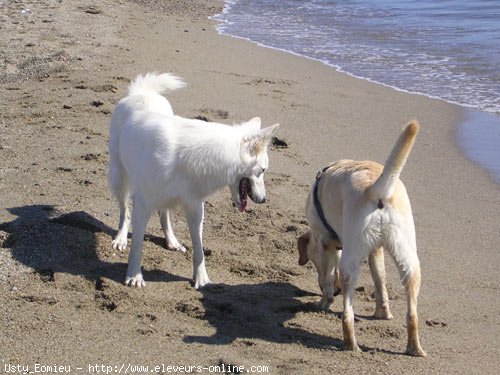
[{"x": 63, "y": 67}]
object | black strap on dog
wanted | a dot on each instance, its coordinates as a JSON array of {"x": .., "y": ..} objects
[{"x": 318, "y": 207}]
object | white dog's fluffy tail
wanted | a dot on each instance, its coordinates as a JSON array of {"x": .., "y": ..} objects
[
  {"x": 153, "y": 83},
  {"x": 384, "y": 185}
]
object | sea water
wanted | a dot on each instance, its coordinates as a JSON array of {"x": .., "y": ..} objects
[{"x": 447, "y": 49}]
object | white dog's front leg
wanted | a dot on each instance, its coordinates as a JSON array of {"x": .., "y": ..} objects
[
  {"x": 140, "y": 217},
  {"x": 166, "y": 225},
  {"x": 195, "y": 223},
  {"x": 120, "y": 241}
]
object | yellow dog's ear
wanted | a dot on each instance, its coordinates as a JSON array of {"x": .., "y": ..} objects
[{"x": 302, "y": 243}]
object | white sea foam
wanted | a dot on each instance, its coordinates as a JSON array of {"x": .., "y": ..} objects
[
  {"x": 443, "y": 50},
  {"x": 428, "y": 50}
]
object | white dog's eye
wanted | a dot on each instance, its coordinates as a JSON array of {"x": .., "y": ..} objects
[{"x": 261, "y": 172}]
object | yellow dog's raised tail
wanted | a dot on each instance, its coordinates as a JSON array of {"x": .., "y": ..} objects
[{"x": 383, "y": 187}]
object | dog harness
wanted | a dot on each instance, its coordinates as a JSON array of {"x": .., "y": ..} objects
[{"x": 318, "y": 207}]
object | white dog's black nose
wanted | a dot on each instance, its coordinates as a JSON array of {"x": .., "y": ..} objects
[{"x": 260, "y": 200}]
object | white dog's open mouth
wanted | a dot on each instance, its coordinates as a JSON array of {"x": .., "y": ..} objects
[{"x": 243, "y": 190}]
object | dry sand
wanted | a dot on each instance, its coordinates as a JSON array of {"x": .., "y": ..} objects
[{"x": 63, "y": 67}]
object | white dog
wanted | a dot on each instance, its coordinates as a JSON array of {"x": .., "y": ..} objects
[
  {"x": 363, "y": 208},
  {"x": 159, "y": 161}
]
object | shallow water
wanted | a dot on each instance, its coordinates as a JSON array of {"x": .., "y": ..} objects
[
  {"x": 447, "y": 49},
  {"x": 479, "y": 137},
  {"x": 444, "y": 49}
]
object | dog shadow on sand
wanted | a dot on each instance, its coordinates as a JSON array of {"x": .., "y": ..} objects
[
  {"x": 266, "y": 311},
  {"x": 259, "y": 311},
  {"x": 50, "y": 240}
]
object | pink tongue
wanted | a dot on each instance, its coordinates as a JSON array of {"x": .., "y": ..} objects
[
  {"x": 243, "y": 205},
  {"x": 243, "y": 197}
]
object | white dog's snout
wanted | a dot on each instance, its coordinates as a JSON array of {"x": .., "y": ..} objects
[
  {"x": 257, "y": 191},
  {"x": 256, "y": 195},
  {"x": 259, "y": 200}
]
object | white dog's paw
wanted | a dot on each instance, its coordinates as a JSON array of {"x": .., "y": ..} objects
[
  {"x": 135, "y": 280},
  {"x": 201, "y": 280},
  {"x": 119, "y": 243},
  {"x": 176, "y": 247},
  {"x": 383, "y": 314}
]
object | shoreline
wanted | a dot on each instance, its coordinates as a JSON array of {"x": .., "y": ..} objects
[
  {"x": 475, "y": 136},
  {"x": 62, "y": 283},
  {"x": 312, "y": 17},
  {"x": 479, "y": 137}
]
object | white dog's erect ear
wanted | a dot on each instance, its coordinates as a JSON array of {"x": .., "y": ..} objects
[
  {"x": 266, "y": 135},
  {"x": 254, "y": 122},
  {"x": 252, "y": 125},
  {"x": 302, "y": 243},
  {"x": 258, "y": 142},
  {"x": 268, "y": 132}
]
